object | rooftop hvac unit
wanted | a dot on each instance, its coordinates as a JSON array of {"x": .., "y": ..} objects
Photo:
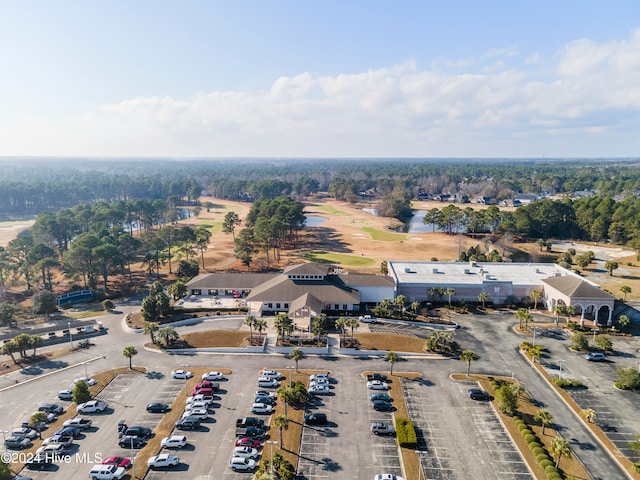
[
  {"x": 558, "y": 274},
  {"x": 435, "y": 270},
  {"x": 472, "y": 264},
  {"x": 466, "y": 270},
  {"x": 407, "y": 270}
]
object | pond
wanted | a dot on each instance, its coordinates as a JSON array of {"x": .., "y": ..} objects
[
  {"x": 414, "y": 225},
  {"x": 315, "y": 220}
]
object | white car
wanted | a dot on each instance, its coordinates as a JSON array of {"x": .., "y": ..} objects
[
  {"x": 200, "y": 398},
  {"x": 261, "y": 408},
  {"x": 319, "y": 375},
  {"x": 266, "y": 393},
  {"x": 272, "y": 374},
  {"x": 367, "y": 319},
  {"x": 387, "y": 476},
  {"x": 181, "y": 374},
  {"x": 212, "y": 376},
  {"x": 78, "y": 422},
  {"x": 200, "y": 413},
  {"x": 92, "y": 406},
  {"x": 265, "y": 382},
  {"x": 246, "y": 452},
  {"x": 88, "y": 380},
  {"x": 242, "y": 464},
  {"x": 163, "y": 460},
  {"x": 26, "y": 432},
  {"x": 199, "y": 404},
  {"x": 320, "y": 381},
  {"x": 51, "y": 450},
  {"x": 65, "y": 394},
  {"x": 319, "y": 389},
  {"x": 174, "y": 441},
  {"x": 377, "y": 385}
]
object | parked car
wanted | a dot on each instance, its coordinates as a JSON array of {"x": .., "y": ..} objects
[
  {"x": 248, "y": 442},
  {"x": 127, "y": 441},
  {"x": 164, "y": 460},
  {"x": 319, "y": 389},
  {"x": 377, "y": 385},
  {"x": 477, "y": 394},
  {"x": 380, "y": 396},
  {"x": 320, "y": 381},
  {"x": 92, "y": 406},
  {"x": 39, "y": 462},
  {"x": 212, "y": 376},
  {"x": 382, "y": 406},
  {"x": 194, "y": 405},
  {"x": 207, "y": 392},
  {"x": 272, "y": 374},
  {"x": 79, "y": 422},
  {"x": 88, "y": 380},
  {"x": 17, "y": 443},
  {"x": 261, "y": 408},
  {"x": 53, "y": 450},
  {"x": 66, "y": 440},
  {"x": 181, "y": 374},
  {"x": 242, "y": 464},
  {"x": 207, "y": 385},
  {"x": 51, "y": 408},
  {"x": 246, "y": 452},
  {"x": 266, "y": 393},
  {"x": 380, "y": 428},
  {"x": 315, "y": 419},
  {"x": 377, "y": 376},
  {"x": 26, "y": 432},
  {"x": 595, "y": 357},
  {"x": 65, "y": 394},
  {"x": 251, "y": 432},
  {"x": 174, "y": 441},
  {"x": 157, "y": 407},
  {"x": 367, "y": 319},
  {"x": 188, "y": 423},
  {"x": 74, "y": 432},
  {"x": 117, "y": 461},
  {"x": 200, "y": 398},
  {"x": 106, "y": 472},
  {"x": 318, "y": 375},
  {"x": 265, "y": 399},
  {"x": 200, "y": 413},
  {"x": 387, "y": 476},
  {"x": 138, "y": 431},
  {"x": 266, "y": 382}
]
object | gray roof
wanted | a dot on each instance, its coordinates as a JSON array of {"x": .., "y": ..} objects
[
  {"x": 307, "y": 300},
  {"x": 329, "y": 290},
  {"x": 576, "y": 288},
  {"x": 366, "y": 280},
  {"x": 309, "y": 269},
  {"x": 237, "y": 281}
]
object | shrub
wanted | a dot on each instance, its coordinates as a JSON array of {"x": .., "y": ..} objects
[
  {"x": 545, "y": 463},
  {"x": 530, "y": 438},
  {"x": 536, "y": 450},
  {"x": 568, "y": 383},
  {"x": 542, "y": 457},
  {"x": 533, "y": 445},
  {"x": 523, "y": 426},
  {"x": 406, "y": 433},
  {"x": 550, "y": 469}
]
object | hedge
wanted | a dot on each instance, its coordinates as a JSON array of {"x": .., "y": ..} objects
[{"x": 406, "y": 433}]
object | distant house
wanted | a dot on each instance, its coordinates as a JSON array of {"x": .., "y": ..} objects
[
  {"x": 524, "y": 199},
  {"x": 484, "y": 200},
  {"x": 442, "y": 197}
]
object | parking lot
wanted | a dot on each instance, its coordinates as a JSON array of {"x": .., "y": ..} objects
[{"x": 460, "y": 438}]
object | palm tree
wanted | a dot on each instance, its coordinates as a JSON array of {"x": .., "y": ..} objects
[
  {"x": 129, "y": 352},
  {"x": 296, "y": 355},
  {"x": 353, "y": 323},
  {"x": 415, "y": 306},
  {"x": 483, "y": 297},
  {"x": 589, "y": 414},
  {"x": 535, "y": 296},
  {"x": 260, "y": 325},
  {"x": 560, "y": 447},
  {"x": 535, "y": 354},
  {"x": 450, "y": 292},
  {"x": 281, "y": 422},
  {"x": 392, "y": 358},
  {"x": 151, "y": 328},
  {"x": 625, "y": 289},
  {"x": 9, "y": 348},
  {"x": 283, "y": 323},
  {"x": 516, "y": 389},
  {"x": 610, "y": 266},
  {"x": 400, "y": 301},
  {"x": 544, "y": 417},
  {"x": 524, "y": 317},
  {"x": 287, "y": 395},
  {"x": 468, "y": 356},
  {"x": 342, "y": 324},
  {"x": 250, "y": 321},
  {"x": 168, "y": 334}
]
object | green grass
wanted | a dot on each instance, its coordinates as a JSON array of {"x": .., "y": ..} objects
[
  {"x": 214, "y": 228},
  {"x": 87, "y": 314},
  {"x": 340, "y": 259},
  {"x": 384, "y": 235},
  {"x": 334, "y": 211}
]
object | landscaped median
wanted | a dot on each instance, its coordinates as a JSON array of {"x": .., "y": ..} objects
[{"x": 623, "y": 461}]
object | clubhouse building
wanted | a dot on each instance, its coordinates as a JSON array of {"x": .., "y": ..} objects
[{"x": 306, "y": 290}]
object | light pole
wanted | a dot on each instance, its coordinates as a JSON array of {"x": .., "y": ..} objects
[
  {"x": 290, "y": 373},
  {"x": 70, "y": 336},
  {"x": 133, "y": 463},
  {"x": 594, "y": 330},
  {"x": 4, "y": 438},
  {"x": 86, "y": 376},
  {"x": 535, "y": 330},
  {"x": 420, "y": 470},
  {"x": 271, "y": 442},
  {"x": 560, "y": 362},
  {"x": 184, "y": 368}
]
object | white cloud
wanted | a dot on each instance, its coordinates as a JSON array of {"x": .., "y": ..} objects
[{"x": 497, "y": 104}]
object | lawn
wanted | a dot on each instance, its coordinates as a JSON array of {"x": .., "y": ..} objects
[
  {"x": 340, "y": 258},
  {"x": 385, "y": 235},
  {"x": 330, "y": 209}
]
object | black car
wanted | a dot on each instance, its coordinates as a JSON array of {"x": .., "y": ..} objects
[
  {"x": 315, "y": 419},
  {"x": 265, "y": 399},
  {"x": 51, "y": 408},
  {"x": 188, "y": 423},
  {"x": 128, "y": 441},
  {"x": 138, "y": 431},
  {"x": 382, "y": 406},
  {"x": 477, "y": 394},
  {"x": 75, "y": 432},
  {"x": 158, "y": 407},
  {"x": 39, "y": 462}
]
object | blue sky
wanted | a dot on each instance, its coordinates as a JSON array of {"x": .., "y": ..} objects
[{"x": 320, "y": 79}]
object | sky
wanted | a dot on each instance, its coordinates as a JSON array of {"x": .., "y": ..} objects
[{"x": 329, "y": 78}]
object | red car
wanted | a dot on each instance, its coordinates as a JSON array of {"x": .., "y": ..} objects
[
  {"x": 119, "y": 461},
  {"x": 202, "y": 391},
  {"x": 247, "y": 442}
]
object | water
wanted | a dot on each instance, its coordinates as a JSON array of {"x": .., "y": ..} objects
[
  {"x": 414, "y": 225},
  {"x": 315, "y": 220}
]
